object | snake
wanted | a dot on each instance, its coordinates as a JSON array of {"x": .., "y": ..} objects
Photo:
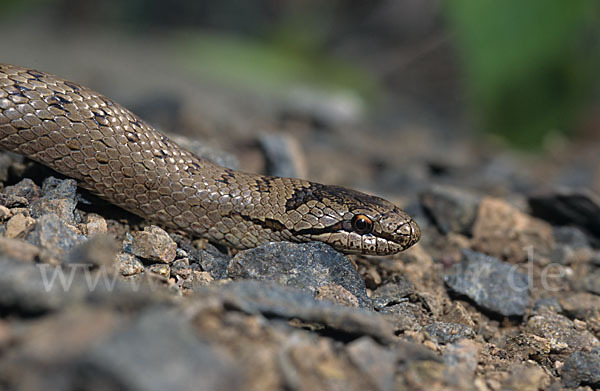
[{"x": 113, "y": 153}]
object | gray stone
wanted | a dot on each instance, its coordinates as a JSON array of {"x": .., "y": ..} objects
[
  {"x": 152, "y": 244},
  {"x": 306, "y": 266},
  {"x": 392, "y": 293},
  {"x": 274, "y": 300},
  {"x": 378, "y": 363},
  {"x": 281, "y": 156},
  {"x": 451, "y": 209},
  {"x": 446, "y": 333},
  {"x": 492, "y": 284},
  {"x": 58, "y": 197},
  {"x": 158, "y": 351},
  {"x": 570, "y": 236},
  {"x": 582, "y": 369},
  {"x": 129, "y": 265},
  {"x": 55, "y": 235},
  {"x": 98, "y": 251},
  {"x": 26, "y": 188}
]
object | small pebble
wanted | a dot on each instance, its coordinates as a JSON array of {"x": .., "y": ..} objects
[
  {"x": 129, "y": 265},
  {"x": 19, "y": 226},
  {"x": 161, "y": 269},
  {"x": 95, "y": 224},
  {"x": 153, "y": 244},
  {"x": 18, "y": 249}
]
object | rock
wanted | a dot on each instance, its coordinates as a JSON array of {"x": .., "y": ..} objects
[
  {"x": 11, "y": 201},
  {"x": 493, "y": 285},
  {"x": 19, "y": 226},
  {"x": 451, "y": 209},
  {"x": 549, "y": 303},
  {"x": 26, "y": 189},
  {"x": 462, "y": 355},
  {"x": 580, "y": 305},
  {"x": 582, "y": 369},
  {"x": 18, "y": 249},
  {"x": 211, "y": 260},
  {"x": 446, "y": 333},
  {"x": 283, "y": 155},
  {"x": 591, "y": 282},
  {"x": 563, "y": 334},
  {"x": 337, "y": 294},
  {"x": 34, "y": 289},
  {"x": 504, "y": 232},
  {"x": 198, "y": 280},
  {"x": 258, "y": 297},
  {"x": 306, "y": 266},
  {"x": 526, "y": 378},
  {"x": 573, "y": 237},
  {"x": 98, "y": 251},
  {"x": 152, "y": 244},
  {"x": 392, "y": 293},
  {"x": 95, "y": 224},
  {"x": 50, "y": 351},
  {"x": 375, "y": 361},
  {"x": 402, "y": 316},
  {"x": 5, "y": 213},
  {"x": 129, "y": 265},
  {"x": 161, "y": 269},
  {"x": 58, "y": 197},
  {"x": 181, "y": 268},
  {"x": 568, "y": 207},
  {"x": 55, "y": 235},
  {"x": 158, "y": 351}
]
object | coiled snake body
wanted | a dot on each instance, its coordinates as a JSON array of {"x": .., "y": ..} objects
[{"x": 115, "y": 154}]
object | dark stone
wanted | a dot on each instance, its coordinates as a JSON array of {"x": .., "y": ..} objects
[
  {"x": 582, "y": 369},
  {"x": 210, "y": 260},
  {"x": 158, "y": 351},
  {"x": 569, "y": 207},
  {"x": 451, "y": 209},
  {"x": 562, "y": 333},
  {"x": 445, "y": 333},
  {"x": 306, "y": 266},
  {"x": 276, "y": 301},
  {"x": 570, "y": 236},
  {"x": 377, "y": 362},
  {"x": 550, "y": 303},
  {"x": 55, "y": 235},
  {"x": 152, "y": 244},
  {"x": 36, "y": 289},
  {"x": 98, "y": 251},
  {"x": 279, "y": 157},
  {"x": 33, "y": 289},
  {"x": 26, "y": 189},
  {"x": 392, "y": 293},
  {"x": 591, "y": 282},
  {"x": 595, "y": 259},
  {"x": 58, "y": 197},
  {"x": 492, "y": 284}
]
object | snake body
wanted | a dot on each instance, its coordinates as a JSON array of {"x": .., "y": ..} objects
[{"x": 116, "y": 155}]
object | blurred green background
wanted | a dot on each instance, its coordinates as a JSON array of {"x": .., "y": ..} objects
[{"x": 522, "y": 71}]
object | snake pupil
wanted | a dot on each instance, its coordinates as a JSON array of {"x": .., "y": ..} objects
[{"x": 362, "y": 224}]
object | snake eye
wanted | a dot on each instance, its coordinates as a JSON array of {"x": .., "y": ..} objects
[{"x": 362, "y": 224}]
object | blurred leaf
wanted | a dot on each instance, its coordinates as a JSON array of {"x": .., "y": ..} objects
[
  {"x": 528, "y": 69},
  {"x": 274, "y": 66}
]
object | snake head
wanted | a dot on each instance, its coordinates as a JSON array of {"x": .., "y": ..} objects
[{"x": 360, "y": 223}]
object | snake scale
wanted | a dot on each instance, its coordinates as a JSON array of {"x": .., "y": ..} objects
[{"x": 116, "y": 155}]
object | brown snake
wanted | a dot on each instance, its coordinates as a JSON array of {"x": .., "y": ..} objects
[{"x": 116, "y": 155}]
